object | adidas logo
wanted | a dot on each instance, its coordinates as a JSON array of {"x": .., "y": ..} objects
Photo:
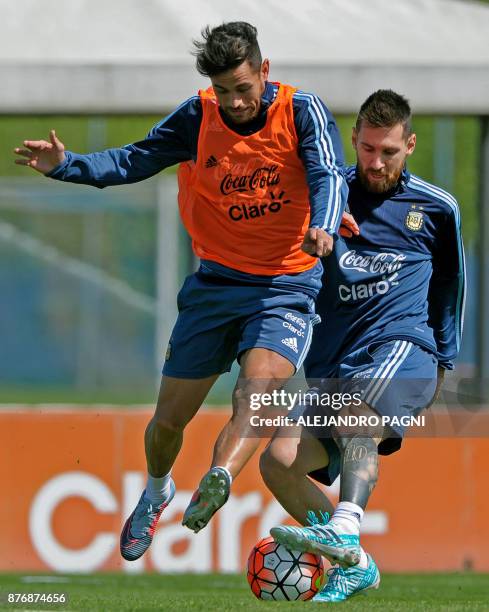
[
  {"x": 211, "y": 162},
  {"x": 291, "y": 343}
]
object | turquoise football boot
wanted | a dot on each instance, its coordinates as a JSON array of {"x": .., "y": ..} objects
[
  {"x": 320, "y": 539},
  {"x": 345, "y": 583}
]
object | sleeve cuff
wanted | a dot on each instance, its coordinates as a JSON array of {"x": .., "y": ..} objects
[
  {"x": 328, "y": 230},
  {"x": 60, "y": 168}
]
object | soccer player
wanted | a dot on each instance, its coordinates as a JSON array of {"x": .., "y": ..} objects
[
  {"x": 391, "y": 307},
  {"x": 261, "y": 193}
]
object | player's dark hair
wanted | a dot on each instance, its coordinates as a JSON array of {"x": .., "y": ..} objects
[
  {"x": 227, "y": 46},
  {"x": 385, "y": 108}
]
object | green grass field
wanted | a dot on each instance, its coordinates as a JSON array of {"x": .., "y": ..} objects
[{"x": 107, "y": 592}]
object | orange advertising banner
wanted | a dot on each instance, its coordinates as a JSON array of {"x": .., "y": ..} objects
[{"x": 69, "y": 478}]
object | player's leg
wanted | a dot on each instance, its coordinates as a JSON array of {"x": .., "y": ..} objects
[
  {"x": 403, "y": 395},
  {"x": 273, "y": 343},
  {"x": 178, "y": 401},
  {"x": 358, "y": 447},
  {"x": 275, "y": 334},
  {"x": 403, "y": 380},
  {"x": 273, "y": 346},
  {"x": 339, "y": 540},
  {"x": 359, "y": 455},
  {"x": 285, "y": 465},
  {"x": 402, "y": 384},
  {"x": 201, "y": 347},
  {"x": 262, "y": 371},
  {"x": 359, "y": 473}
]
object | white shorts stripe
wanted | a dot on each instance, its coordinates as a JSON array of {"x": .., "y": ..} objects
[
  {"x": 394, "y": 366},
  {"x": 384, "y": 369},
  {"x": 378, "y": 373}
]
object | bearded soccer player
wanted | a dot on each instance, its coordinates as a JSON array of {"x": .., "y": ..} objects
[
  {"x": 261, "y": 193},
  {"x": 391, "y": 309}
]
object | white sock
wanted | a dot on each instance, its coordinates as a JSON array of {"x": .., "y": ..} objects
[
  {"x": 158, "y": 489},
  {"x": 347, "y": 518},
  {"x": 225, "y": 470}
]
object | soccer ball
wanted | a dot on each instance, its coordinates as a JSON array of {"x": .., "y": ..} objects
[{"x": 275, "y": 572}]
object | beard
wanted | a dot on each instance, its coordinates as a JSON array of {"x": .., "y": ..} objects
[
  {"x": 248, "y": 115},
  {"x": 388, "y": 181}
]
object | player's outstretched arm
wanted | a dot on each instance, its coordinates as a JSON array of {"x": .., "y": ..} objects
[
  {"x": 170, "y": 141},
  {"x": 41, "y": 155}
]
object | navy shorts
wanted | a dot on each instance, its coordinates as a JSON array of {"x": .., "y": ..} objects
[
  {"x": 396, "y": 378},
  {"x": 220, "y": 318}
]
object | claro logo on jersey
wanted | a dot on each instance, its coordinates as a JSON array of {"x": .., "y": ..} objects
[
  {"x": 238, "y": 212},
  {"x": 260, "y": 179},
  {"x": 384, "y": 264}
]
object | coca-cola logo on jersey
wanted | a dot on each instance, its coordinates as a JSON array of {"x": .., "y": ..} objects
[
  {"x": 261, "y": 178},
  {"x": 380, "y": 263}
]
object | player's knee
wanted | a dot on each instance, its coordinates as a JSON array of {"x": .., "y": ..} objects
[
  {"x": 274, "y": 464},
  {"x": 270, "y": 470},
  {"x": 265, "y": 365},
  {"x": 241, "y": 395},
  {"x": 169, "y": 421},
  {"x": 246, "y": 397}
]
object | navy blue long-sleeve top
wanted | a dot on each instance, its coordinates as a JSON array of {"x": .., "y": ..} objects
[{"x": 175, "y": 139}]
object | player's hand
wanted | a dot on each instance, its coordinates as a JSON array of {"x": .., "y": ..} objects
[
  {"x": 317, "y": 242},
  {"x": 348, "y": 226},
  {"x": 41, "y": 155}
]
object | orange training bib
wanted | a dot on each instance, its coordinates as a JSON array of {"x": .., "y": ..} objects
[{"x": 245, "y": 201}]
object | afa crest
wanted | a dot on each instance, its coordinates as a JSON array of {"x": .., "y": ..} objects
[{"x": 414, "y": 220}]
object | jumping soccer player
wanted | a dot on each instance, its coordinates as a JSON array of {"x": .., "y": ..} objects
[
  {"x": 391, "y": 309},
  {"x": 261, "y": 193}
]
